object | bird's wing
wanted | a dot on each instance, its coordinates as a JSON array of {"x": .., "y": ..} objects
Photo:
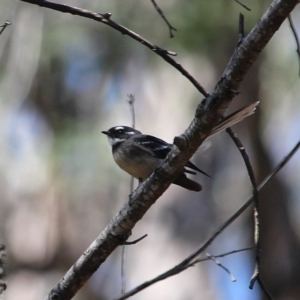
[
  {"x": 160, "y": 149},
  {"x": 154, "y": 145}
]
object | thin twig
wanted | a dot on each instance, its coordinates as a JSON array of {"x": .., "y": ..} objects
[
  {"x": 7, "y": 23},
  {"x": 243, "y": 5},
  {"x": 256, "y": 211},
  {"x": 296, "y": 39},
  {"x": 135, "y": 241},
  {"x": 218, "y": 263},
  {"x": 167, "y": 274},
  {"x": 189, "y": 261},
  {"x": 160, "y": 12},
  {"x": 130, "y": 101},
  {"x": 123, "y": 270},
  {"x": 181, "y": 269},
  {"x": 257, "y": 216},
  {"x": 3, "y": 283},
  {"x": 241, "y": 29},
  {"x": 106, "y": 19},
  {"x": 219, "y": 255},
  {"x": 280, "y": 165}
]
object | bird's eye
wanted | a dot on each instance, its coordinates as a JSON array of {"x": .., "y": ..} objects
[{"x": 120, "y": 131}]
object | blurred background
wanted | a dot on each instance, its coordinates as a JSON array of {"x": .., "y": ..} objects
[{"x": 64, "y": 79}]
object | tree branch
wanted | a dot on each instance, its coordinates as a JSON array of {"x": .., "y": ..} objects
[
  {"x": 296, "y": 39},
  {"x": 243, "y": 5},
  {"x": 3, "y": 283},
  {"x": 6, "y": 24},
  {"x": 161, "y": 13},
  {"x": 106, "y": 19},
  {"x": 257, "y": 237}
]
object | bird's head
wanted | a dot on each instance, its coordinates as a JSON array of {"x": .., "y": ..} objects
[{"x": 119, "y": 134}]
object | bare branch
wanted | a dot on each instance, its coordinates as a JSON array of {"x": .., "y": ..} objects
[
  {"x": 246, "y": 159},
  {"x": 7, "y": 23},
  {"x": 158, "y": 9},
  {"x": 280, "y": 165},
  {"x": 241, "y": 29},
  {"x": 106, "y": 19},
  {"x": 179, "y": 270},
  {"x": 123, "y": 270},
  {"x": 218, "y": 263},
  {"x": 256, "y": 274},
  {"x": 191, "y": 264},
  {"x": 135, "y": 241},
  {"x": 296, "y": 38},
  {"x": 3, "y": 283},
  {"x": 130, "y": 101},
  {"x": 243, "y": 5}
]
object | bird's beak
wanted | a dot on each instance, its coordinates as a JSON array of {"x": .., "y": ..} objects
[{"x": 105, "y": 132}]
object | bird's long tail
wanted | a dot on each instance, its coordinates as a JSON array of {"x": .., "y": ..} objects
[
  {"x": 234, "y": 118},
  {"x": 187, "y": 183}
]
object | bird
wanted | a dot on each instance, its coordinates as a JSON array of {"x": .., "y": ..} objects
[{"x": 140, "y": 154}]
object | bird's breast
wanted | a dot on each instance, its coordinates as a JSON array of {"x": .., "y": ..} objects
[{"x": 137, "y": 165}]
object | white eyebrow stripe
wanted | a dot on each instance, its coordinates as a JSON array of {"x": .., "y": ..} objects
[
  {"x": 119, "y": 128},
  {"x": 130, "y": 132}
]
